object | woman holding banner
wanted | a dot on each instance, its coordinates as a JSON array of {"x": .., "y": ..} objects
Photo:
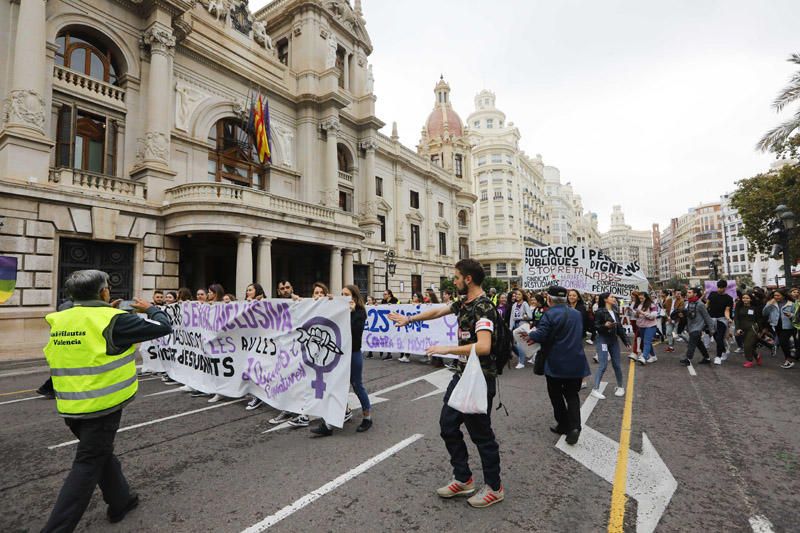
[{"x": 358, "y": 315}]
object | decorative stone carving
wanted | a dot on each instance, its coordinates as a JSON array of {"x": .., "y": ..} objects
[
  {"x": 286, "y": 139},
  {"x": 159, "y": 39},
  {"x": 370, "y": 80},
  {"x": 331, "y": 125},
  {"x": 24, "y": 106},
  {"x": 330, "y": 58},
  {"x": 241, "y": 18},
  {"x": 297, "y": 28},
  {"x": 187, "y": 99},
  {"x": 260, "y": 35},
  {"x": 368, "y": 144},
  {"x": 218, "y": 8},
  {"x": 343, "y": 13},
  {"x": 330, "y": 197},
  {"x": 154, "y": 146},
  {"x": 370, "y": 209},
  {"x": 362, "y": 60}
]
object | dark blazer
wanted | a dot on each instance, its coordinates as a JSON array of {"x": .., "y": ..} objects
[
  {"x": 601, "y": 317},
  {"x": 561, "y": 329}
]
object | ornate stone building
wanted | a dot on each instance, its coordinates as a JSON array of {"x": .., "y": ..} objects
[
  {"x": 123, "y": 147},
  {"x": 625, "y": 245}
]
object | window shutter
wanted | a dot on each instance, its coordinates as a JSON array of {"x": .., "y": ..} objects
[
  {"x": 111, "y": 147},
  {"x": 65, "y": 136}
]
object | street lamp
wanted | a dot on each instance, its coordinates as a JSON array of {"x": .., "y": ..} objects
[
  {"x": 781, "y": 226},
  {"x": 712, "y": 266},
  {"x": 391, "y": 266}
]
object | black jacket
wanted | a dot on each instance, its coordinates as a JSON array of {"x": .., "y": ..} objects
[
  {"x": 357, "y": 319},
  {"x": 601, "y": 317},
  {"x": 127, "y": 329}
]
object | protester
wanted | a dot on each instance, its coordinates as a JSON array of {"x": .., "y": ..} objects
[
  {"x": 358, "y": 315},
  {"x": 503, "y": 307},
  {"x": 388, "y": 298},
  {"x": 646, "y": 319},
  {"x": 720, "y": 306},
  {"x": 538, "y": 308},
  {"x": 520, "y": 314},
  {"x": 158, "y": 297},
  {"x": 286, "y": 291},
  {"x": 216, "y": 293},
  {"x": 254, "y": 291},
  {"x": 632, "y": 318},
  {"x": 228, "y": 298},
  {"x": 201, "y": 296},
  {"x": 609, "y": 327},
  {"x": 778, "y": 313},
  {"x": 170, "y": 297},
  {"x": 432, "y": 298},
  {"x": 697, "y": 318},
  {"x": 560, "y": 332},
  {"x": 184, "y": 295},
  {"x": 447, "y": 296},
  {"x": 477, "y": 317},
  {"x": 749, "y": 321},
  {"x": 106, "y": 354}
]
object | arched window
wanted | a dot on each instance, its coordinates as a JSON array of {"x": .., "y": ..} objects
[
  {"x": 462, "y": 219},
  {"x": 232, "y": 156},
  {"x": 88, "y": 56},
  {"x": 342, "y": 158}
]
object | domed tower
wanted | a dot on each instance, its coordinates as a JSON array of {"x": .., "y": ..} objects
[{"x": 443, "y": 137}]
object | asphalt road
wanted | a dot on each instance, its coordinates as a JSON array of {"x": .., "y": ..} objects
[{"x": 729, "y": 437}]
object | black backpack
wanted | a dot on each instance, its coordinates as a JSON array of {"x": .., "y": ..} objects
[{"x": 502, "y": 344}]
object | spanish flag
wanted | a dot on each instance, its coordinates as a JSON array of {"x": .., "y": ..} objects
[
  {"x": 261, "y": 132},
  {"x": 8, "y": 277}
]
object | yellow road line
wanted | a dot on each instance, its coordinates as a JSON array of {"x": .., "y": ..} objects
[
  {"x": 16, "y": 392},
  {"x": 618, "y": 498}
]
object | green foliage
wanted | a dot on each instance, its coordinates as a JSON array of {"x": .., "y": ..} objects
[
  {"x": 447, "y": 283},
  {"x": 784, "y": 139},
  {"x": 676, "y": 283},
  {"x": 756, "y": 199},
  {"x": 744, "y": 282},
  {"x": 497, "y": 283}
]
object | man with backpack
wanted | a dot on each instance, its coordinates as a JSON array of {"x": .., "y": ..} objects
[{"x": 478, "y": 323}]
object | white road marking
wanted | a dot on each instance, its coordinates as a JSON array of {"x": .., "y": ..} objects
[
  {"x": 691, "y": 370},
  {"x": 151, "y": 422},
  {"x": 330, "y": 486},
  {"x": 162, "y": 392},
  {"x": 37, "y": 370},
  {"x": 761, "y": 524},
  {"x": 21, "y": 400}
]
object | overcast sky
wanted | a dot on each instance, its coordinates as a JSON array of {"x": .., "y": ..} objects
[{"x": 652, "y": 105}]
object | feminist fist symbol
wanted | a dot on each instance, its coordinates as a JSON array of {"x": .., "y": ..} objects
[{"x": 321, "y": 351}]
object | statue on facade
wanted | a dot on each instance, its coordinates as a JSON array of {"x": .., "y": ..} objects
[
  {"x": 370, "y": 80},
  {"x": 333, "y": 45},
  {"x": 260, "y": 35},
  {"x": 218, "y": 8}
]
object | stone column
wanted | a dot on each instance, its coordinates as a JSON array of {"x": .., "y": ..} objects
[
  {"x": 371, "y": 200},
  {"x": 336, "y": 271},
  {"x": 347, "y": 265},
  {"x": 24, "y": 146},
  {"x": 265, "y": 264},
  {"x": 154, "y": 150},
  {"x": 244, "y": 264},
  {"x": 330, "y": 180}
]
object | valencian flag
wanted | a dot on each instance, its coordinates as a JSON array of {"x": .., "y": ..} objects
[
  {"x": 261, "y": 129},
  {"x": 8, "y": 277}
]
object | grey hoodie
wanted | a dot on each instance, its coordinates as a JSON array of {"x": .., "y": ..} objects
[{"x": 697, "y": 317}]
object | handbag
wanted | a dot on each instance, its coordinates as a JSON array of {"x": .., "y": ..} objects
[
  {"x": 541, "y": 357},
  {"x": 469, "y": 396}
]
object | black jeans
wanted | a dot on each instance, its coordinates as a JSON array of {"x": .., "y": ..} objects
[
  {"x": 696, "y": 341},
  {"x": 719, "y": 337},
  {"x": 563, "y": 394},
  {"x": 480, "y": 431},
  {"x": 94, "y": 464}
]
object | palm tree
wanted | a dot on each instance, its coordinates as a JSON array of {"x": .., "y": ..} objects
[{"x": 776, "y": 139}]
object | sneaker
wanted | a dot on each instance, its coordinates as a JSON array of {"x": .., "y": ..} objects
[
  {"x": 633, "y": 356},
  {"x": 705, "y": 361},
  {"x": 748, "y": 364},
  {"x": 284, "y": 416},
  {"x": 386, "y": 357},
  {"x": 738, "y": 350},
  {"x": 725, "y": 356},
  {"x": 718, "y": 360},
  {"x": 364, "y": 425},
  {"x": 199, "y": 394},
  {"x": 254, "y": 403},
  {"x": 450, "y": 366},
  {"x": 642, "y": 360},
  {"x": 300, "y": 421},
  {"x": 787, "y": 365},
  {"x": 653, "y": 359},
  {"x": 168, "y": 380},
  {"x": 619, "y": 392},
  {"x": 589, "y": 341},
  {"x": 404, "y": 359},
  {"x": 186, "y": 388},
  {"x": 486, "y": 497},
  {"x": 348, "y": 415},
  {"x": 758, "y": 360},
  {"x": 685, "y": 362},
  {"x": 520, "y": 365},
  {"x": 216, "y": 398},
  {"x": 369, "y": 355},
  {"x": 456, "y": 488},
  {"x": 321, "y": 429},
  {"x": 597, "y": 394},
  {"x": 596, "y": 359}
]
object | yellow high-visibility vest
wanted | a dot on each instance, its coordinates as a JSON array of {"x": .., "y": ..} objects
[{"x": 86, "y": 379}]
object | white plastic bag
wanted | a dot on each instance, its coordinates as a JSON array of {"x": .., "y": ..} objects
[{"x": 469, "y": 396}]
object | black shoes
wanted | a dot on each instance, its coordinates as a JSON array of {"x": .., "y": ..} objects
[
  {"x": 572, "y": 436},
  {"x": 132, "y": 504},
  {"x": 365, "y": 425},
  {"x": 685, "y": 362},
  {"x": 321, "y": 430},
  {"x": 386, "y": 357},
  {"x": 705, "y": 361},
  {"x": 557, "y": 430},
  {"x": 50, "y": 394}
]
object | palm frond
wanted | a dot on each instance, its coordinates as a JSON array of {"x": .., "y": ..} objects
[
  {"x": 774, "y": 139},
  {"x": 794, "y": 58},
  {"x": 788, "y": 94}
]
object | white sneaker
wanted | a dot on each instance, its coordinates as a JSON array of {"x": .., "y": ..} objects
[
  {"x": 583, "y": 385},
  {"x": 718, "y": 360},
  {"x": 642, "y": 360},
  {"x": 597, "y": 394},
  {"x": 254, "y": 403},
  {"x": 596, "y": 359},
  {"x": 186, "y": 388},
  {"x": 520, "y": 365},
  {"x": 633, "y": 356},
  {"x": 215, "y": 398},
  {"x": 619, "y": 391},
  {"x": 589, "y": 341},
  {"x": 652, "y": 359},
  {"x": 404, "y": 359},
  {"x": 738, "y": 350},
  {"x": 725, "y": 356}
]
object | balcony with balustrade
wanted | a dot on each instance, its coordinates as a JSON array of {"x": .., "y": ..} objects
[
  {"x": 76, "y": 83},
  {"x": 97, "y": 185}
]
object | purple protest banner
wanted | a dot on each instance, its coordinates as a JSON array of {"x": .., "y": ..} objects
[{"x": 711, "y": 286}]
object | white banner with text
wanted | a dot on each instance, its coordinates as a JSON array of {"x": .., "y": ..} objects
[{"x": 381, "y": 335}]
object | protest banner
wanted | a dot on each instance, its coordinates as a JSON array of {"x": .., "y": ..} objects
[
  {"x": 8, "y": 277},
  {"x": 585, "y": 269},
  {"x": 711, "y": 286},
  {"x": 294, "y": 355},
  {"x": 381, "y": 335}
]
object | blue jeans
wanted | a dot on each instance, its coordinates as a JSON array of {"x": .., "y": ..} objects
[
  {"x": 356, "y": 380},
  {"x": 647, "y": 335},
  {"x": 611, "y": 348}
]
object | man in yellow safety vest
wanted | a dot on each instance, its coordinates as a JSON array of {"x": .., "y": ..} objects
[{"x": 91, "y": 354}]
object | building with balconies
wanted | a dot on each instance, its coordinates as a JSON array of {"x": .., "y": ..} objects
[
  {"x": 626, "y": 245},
  {"x": 124, "y": 146}
]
